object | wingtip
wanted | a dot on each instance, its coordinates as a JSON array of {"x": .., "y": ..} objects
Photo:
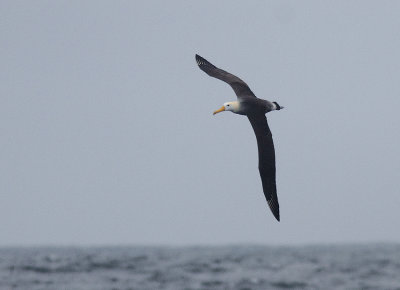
[
  {"x": 203, "y": 63},
  {"x": 274, "y": 207},
  {"x": 277, "y": 215},
  {"x": 199, "y": 60}
]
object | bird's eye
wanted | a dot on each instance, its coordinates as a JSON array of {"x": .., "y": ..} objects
[{"x": 227, "y": 105}]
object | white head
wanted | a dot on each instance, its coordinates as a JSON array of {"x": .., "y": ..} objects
[
  {"x": 228, "y": 106},
  {"x": 277, "y": 106}
]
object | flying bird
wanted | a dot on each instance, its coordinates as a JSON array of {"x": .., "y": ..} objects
[{"x": 255, "y": 109}]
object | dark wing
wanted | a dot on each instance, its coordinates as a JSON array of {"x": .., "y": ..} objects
[
  {"x": 240, "y": 87},
  {"x": 266, "y": 160}
]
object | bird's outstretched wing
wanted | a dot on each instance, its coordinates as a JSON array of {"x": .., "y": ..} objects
[
  {"x": 240, "y": 87},
  {"x": 266, "y": 160}
]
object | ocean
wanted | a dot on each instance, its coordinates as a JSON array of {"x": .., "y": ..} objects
[{"x": 206, "y": 267}]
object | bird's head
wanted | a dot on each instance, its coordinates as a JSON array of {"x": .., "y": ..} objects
[
  {"x": 277, "y": 106},
  {"x": 228, "y": 106}
]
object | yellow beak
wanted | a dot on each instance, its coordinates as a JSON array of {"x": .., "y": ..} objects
[{"x": 219, "y": 110}]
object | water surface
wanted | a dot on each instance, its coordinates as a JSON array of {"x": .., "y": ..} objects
[{"x": 223, "y": 267}]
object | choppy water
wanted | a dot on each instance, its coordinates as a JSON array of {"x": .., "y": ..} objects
[{"x": 236, "y": 267}]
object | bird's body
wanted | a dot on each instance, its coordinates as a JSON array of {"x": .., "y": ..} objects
[
  {"x": 248, "y": 105},
  {"x": 255, "y": 109}
]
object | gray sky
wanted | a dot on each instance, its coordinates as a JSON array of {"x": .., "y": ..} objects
[{"x": 107, "y": 133}]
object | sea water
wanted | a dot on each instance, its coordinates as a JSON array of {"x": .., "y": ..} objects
[{"x": 214, "y": 267}]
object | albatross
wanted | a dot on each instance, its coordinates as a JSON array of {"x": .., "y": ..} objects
[{"x": 255, "y": 109}]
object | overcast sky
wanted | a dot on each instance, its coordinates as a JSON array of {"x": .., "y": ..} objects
[{"x": 108, "y": 137}]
